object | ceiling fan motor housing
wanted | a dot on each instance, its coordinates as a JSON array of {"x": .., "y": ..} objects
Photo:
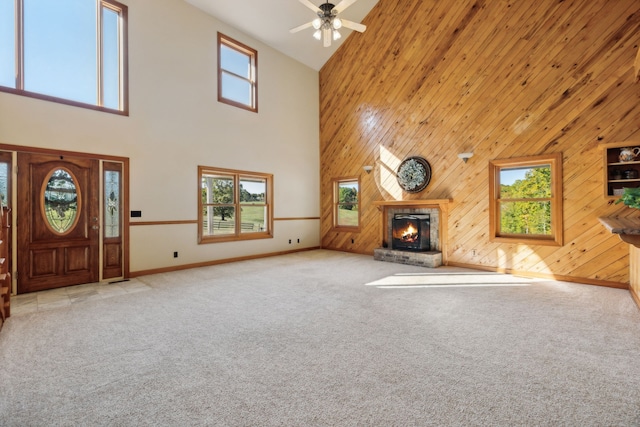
[{"x": 327, "y": 9}]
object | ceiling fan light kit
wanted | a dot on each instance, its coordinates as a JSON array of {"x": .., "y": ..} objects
[{"x": 327, "y": 23}]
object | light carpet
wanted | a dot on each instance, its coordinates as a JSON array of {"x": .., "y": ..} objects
[{"x": 324, "y": 338}]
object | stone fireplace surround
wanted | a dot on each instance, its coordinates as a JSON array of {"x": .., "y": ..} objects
[{"x": 437, "y": 209}]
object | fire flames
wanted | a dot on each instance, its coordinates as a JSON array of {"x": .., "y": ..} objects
[{"x": 409, "y": 234}]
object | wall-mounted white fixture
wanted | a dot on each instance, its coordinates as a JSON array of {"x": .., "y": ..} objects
[
  {"x": 367, "y": 168},
  {"x": 465, "y": 156}
]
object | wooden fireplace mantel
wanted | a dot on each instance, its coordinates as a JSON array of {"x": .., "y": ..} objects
[
  {"x": 441, "y": 204},
  {"x": 422, "y": 203}
]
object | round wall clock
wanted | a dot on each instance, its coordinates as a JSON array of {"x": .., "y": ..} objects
[{"x": 414, "y": 174}]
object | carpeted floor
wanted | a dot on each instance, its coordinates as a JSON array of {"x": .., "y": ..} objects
[{"x": 325, "y": 338}]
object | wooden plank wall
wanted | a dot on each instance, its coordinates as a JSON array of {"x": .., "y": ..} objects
[{"x": 501, "y": 78}]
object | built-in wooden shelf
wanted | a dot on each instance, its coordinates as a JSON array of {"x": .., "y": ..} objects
[{"x": 614, "y": 169}]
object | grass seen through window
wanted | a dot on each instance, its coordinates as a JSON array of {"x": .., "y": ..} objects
[
  {"x": 234, "y": 205},
  {"x": 347, "y": 203}
]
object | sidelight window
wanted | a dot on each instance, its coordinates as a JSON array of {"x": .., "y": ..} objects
[
  {"x": 112, "y": 199},
  {"x": 5, "y": 178}
]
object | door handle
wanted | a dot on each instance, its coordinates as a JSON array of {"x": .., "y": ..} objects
[{"x": 95, "y": 227}]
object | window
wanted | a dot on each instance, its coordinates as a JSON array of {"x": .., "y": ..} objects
[
  {"x": 67, "y": 51},
  {"x": 237, "y": 74},
  {"x": 112, "y": 200},
  {"x": 5, "y": 178},
  {"x": 346, "y": 210},
  {"x": 234, "y": 205},
  {"x": 526, "y": 200}
]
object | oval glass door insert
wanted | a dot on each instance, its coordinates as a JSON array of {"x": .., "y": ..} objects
[{"x": 60, "y": 202}]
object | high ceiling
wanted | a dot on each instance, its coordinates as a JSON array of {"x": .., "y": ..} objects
[{"x": 269, "y": 21}]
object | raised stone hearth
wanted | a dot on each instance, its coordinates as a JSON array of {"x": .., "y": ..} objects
[{"x": 429, "y": 259}]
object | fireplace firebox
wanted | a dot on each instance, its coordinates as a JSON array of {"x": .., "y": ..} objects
[{"x": 411, "y": 232}]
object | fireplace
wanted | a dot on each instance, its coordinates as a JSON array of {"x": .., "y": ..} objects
[
  {"x": 433, "y": 232},
  {"x": 411, "y": 231}
]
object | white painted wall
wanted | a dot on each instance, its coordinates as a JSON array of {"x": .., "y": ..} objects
[{"x": 176, "y": 124}]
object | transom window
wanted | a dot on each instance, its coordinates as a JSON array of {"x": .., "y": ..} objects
[
  {"x": 346, "y": 209},
  {"x": 234, "y": 205},
  {"x": 237, "y": 74},
  {"x": 67, "y": 51},
  {"x": 526, "y": 200}
]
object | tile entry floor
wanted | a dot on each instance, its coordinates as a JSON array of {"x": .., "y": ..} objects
[{"x": 62, "y": 297}]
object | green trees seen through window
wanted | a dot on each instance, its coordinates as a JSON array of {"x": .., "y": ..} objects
[
  {"x": 346, "y": 203},
  {"x": 234, "y": 204},
  {"x": 525, "y": 206},
  {"x": 526, "y": 200}
]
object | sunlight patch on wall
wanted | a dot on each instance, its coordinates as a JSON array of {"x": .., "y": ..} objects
[
  {"x": 387, "y": 179},
  {"x": 518, "y": 257},
  {"x": 368, "y": 120}
]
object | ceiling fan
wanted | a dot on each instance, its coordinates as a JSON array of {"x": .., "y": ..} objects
[{"x": 327, "y": 23}]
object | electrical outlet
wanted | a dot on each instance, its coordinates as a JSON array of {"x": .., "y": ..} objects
[
  {"x": 289, "y": 241},
  {"x": 175, "y": 254},
  {"x": 298, "y": 240}
]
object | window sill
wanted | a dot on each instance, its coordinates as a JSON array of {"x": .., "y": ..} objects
[
  {"x": 550, "y": 241},
  {"x": 233, "y": 238},
  {"x": 343, "y": 229},
  {"x": 64, "y": 101}
]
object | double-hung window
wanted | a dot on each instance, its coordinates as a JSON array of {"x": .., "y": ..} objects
[
  {"x": 67, "y": 51},
  {"x": 237, "y": 74},
  {"x": 526, "y": 200},
  {"x": 346, "y": 204},
  {"x": 234, "y": 205}
]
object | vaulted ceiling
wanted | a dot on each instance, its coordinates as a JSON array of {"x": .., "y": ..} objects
[{"x": 270, "y": 22}]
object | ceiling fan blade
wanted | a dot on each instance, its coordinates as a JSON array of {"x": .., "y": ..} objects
[
  {"x": 343, "y": 5},
  {"x": 326, "y": 37},
  {"x": 311, "y": 6},
  {"x": 301, "y": 27},
  {"x": 353, "y": 25}
]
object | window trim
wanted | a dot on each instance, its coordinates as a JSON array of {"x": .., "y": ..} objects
[
  {"x": 253, "y": 78},
  {"x": 555, "y": 162},
  {"x": 112, "y": 5},
  {"x": 336, "y": 197},
  {"x": 237, "y": 176}
]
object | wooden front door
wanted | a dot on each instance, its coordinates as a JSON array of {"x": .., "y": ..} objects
[{"x": 57, "y": 222}]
